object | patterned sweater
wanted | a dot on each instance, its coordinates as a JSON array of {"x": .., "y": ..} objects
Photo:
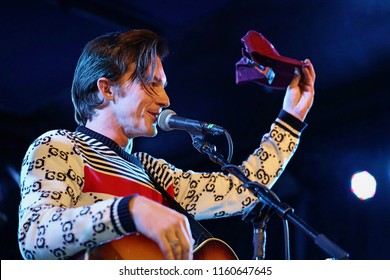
[{"x": 76, "y": 186}]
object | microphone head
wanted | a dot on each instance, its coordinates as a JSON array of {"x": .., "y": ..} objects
[{"x": 163, "y": 119}]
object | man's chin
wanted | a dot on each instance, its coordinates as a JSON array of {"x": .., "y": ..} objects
[{"x": 152, "y": 133}]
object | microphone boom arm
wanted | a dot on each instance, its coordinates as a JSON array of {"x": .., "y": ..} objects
[{"x": 268, "y": 197}]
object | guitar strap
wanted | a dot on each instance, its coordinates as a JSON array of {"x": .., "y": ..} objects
[{"x": 199, "y": 233}]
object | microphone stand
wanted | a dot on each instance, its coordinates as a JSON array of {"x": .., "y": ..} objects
[
  {"x": 271, "y": 201},
  {"x": 258, "y": 214}
]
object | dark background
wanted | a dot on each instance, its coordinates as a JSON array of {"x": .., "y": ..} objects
[{"x": 347, "y": 41}]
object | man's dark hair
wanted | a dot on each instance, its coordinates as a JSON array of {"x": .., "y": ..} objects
[{"x": 110, "y": 56}]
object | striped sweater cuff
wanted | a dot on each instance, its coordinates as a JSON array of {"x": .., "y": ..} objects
[
  {"x": 121, "y": 217},
  {"x": 290, "y": 123}
]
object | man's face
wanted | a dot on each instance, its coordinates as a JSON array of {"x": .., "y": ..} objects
[{"x": 136, "y": 108}]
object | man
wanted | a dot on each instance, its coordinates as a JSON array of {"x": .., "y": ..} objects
[{"x": 83, "y": 188}]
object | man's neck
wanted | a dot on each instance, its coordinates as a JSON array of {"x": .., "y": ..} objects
[{"x": 115, "y": 134}]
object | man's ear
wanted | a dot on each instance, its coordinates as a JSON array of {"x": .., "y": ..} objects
[{"x": 104, "y": 87}]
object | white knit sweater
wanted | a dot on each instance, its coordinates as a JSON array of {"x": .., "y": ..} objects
[{"x": 75, "y": 187}]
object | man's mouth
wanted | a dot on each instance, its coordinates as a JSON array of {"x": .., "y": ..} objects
[{"x": 155, "y": 115}]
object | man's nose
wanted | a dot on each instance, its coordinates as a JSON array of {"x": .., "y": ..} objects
[{"x": 162, "y": 99}]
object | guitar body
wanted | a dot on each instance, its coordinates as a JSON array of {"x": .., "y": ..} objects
[{"x": 139, "y": 247}]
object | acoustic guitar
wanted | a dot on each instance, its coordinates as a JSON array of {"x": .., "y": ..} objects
[{"x": 139, "y": 247}]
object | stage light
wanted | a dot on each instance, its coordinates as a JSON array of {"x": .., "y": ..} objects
[{"x": 363, "y": 185}]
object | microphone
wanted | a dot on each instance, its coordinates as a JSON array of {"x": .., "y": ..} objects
[{"x": 168, "y": 120}]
